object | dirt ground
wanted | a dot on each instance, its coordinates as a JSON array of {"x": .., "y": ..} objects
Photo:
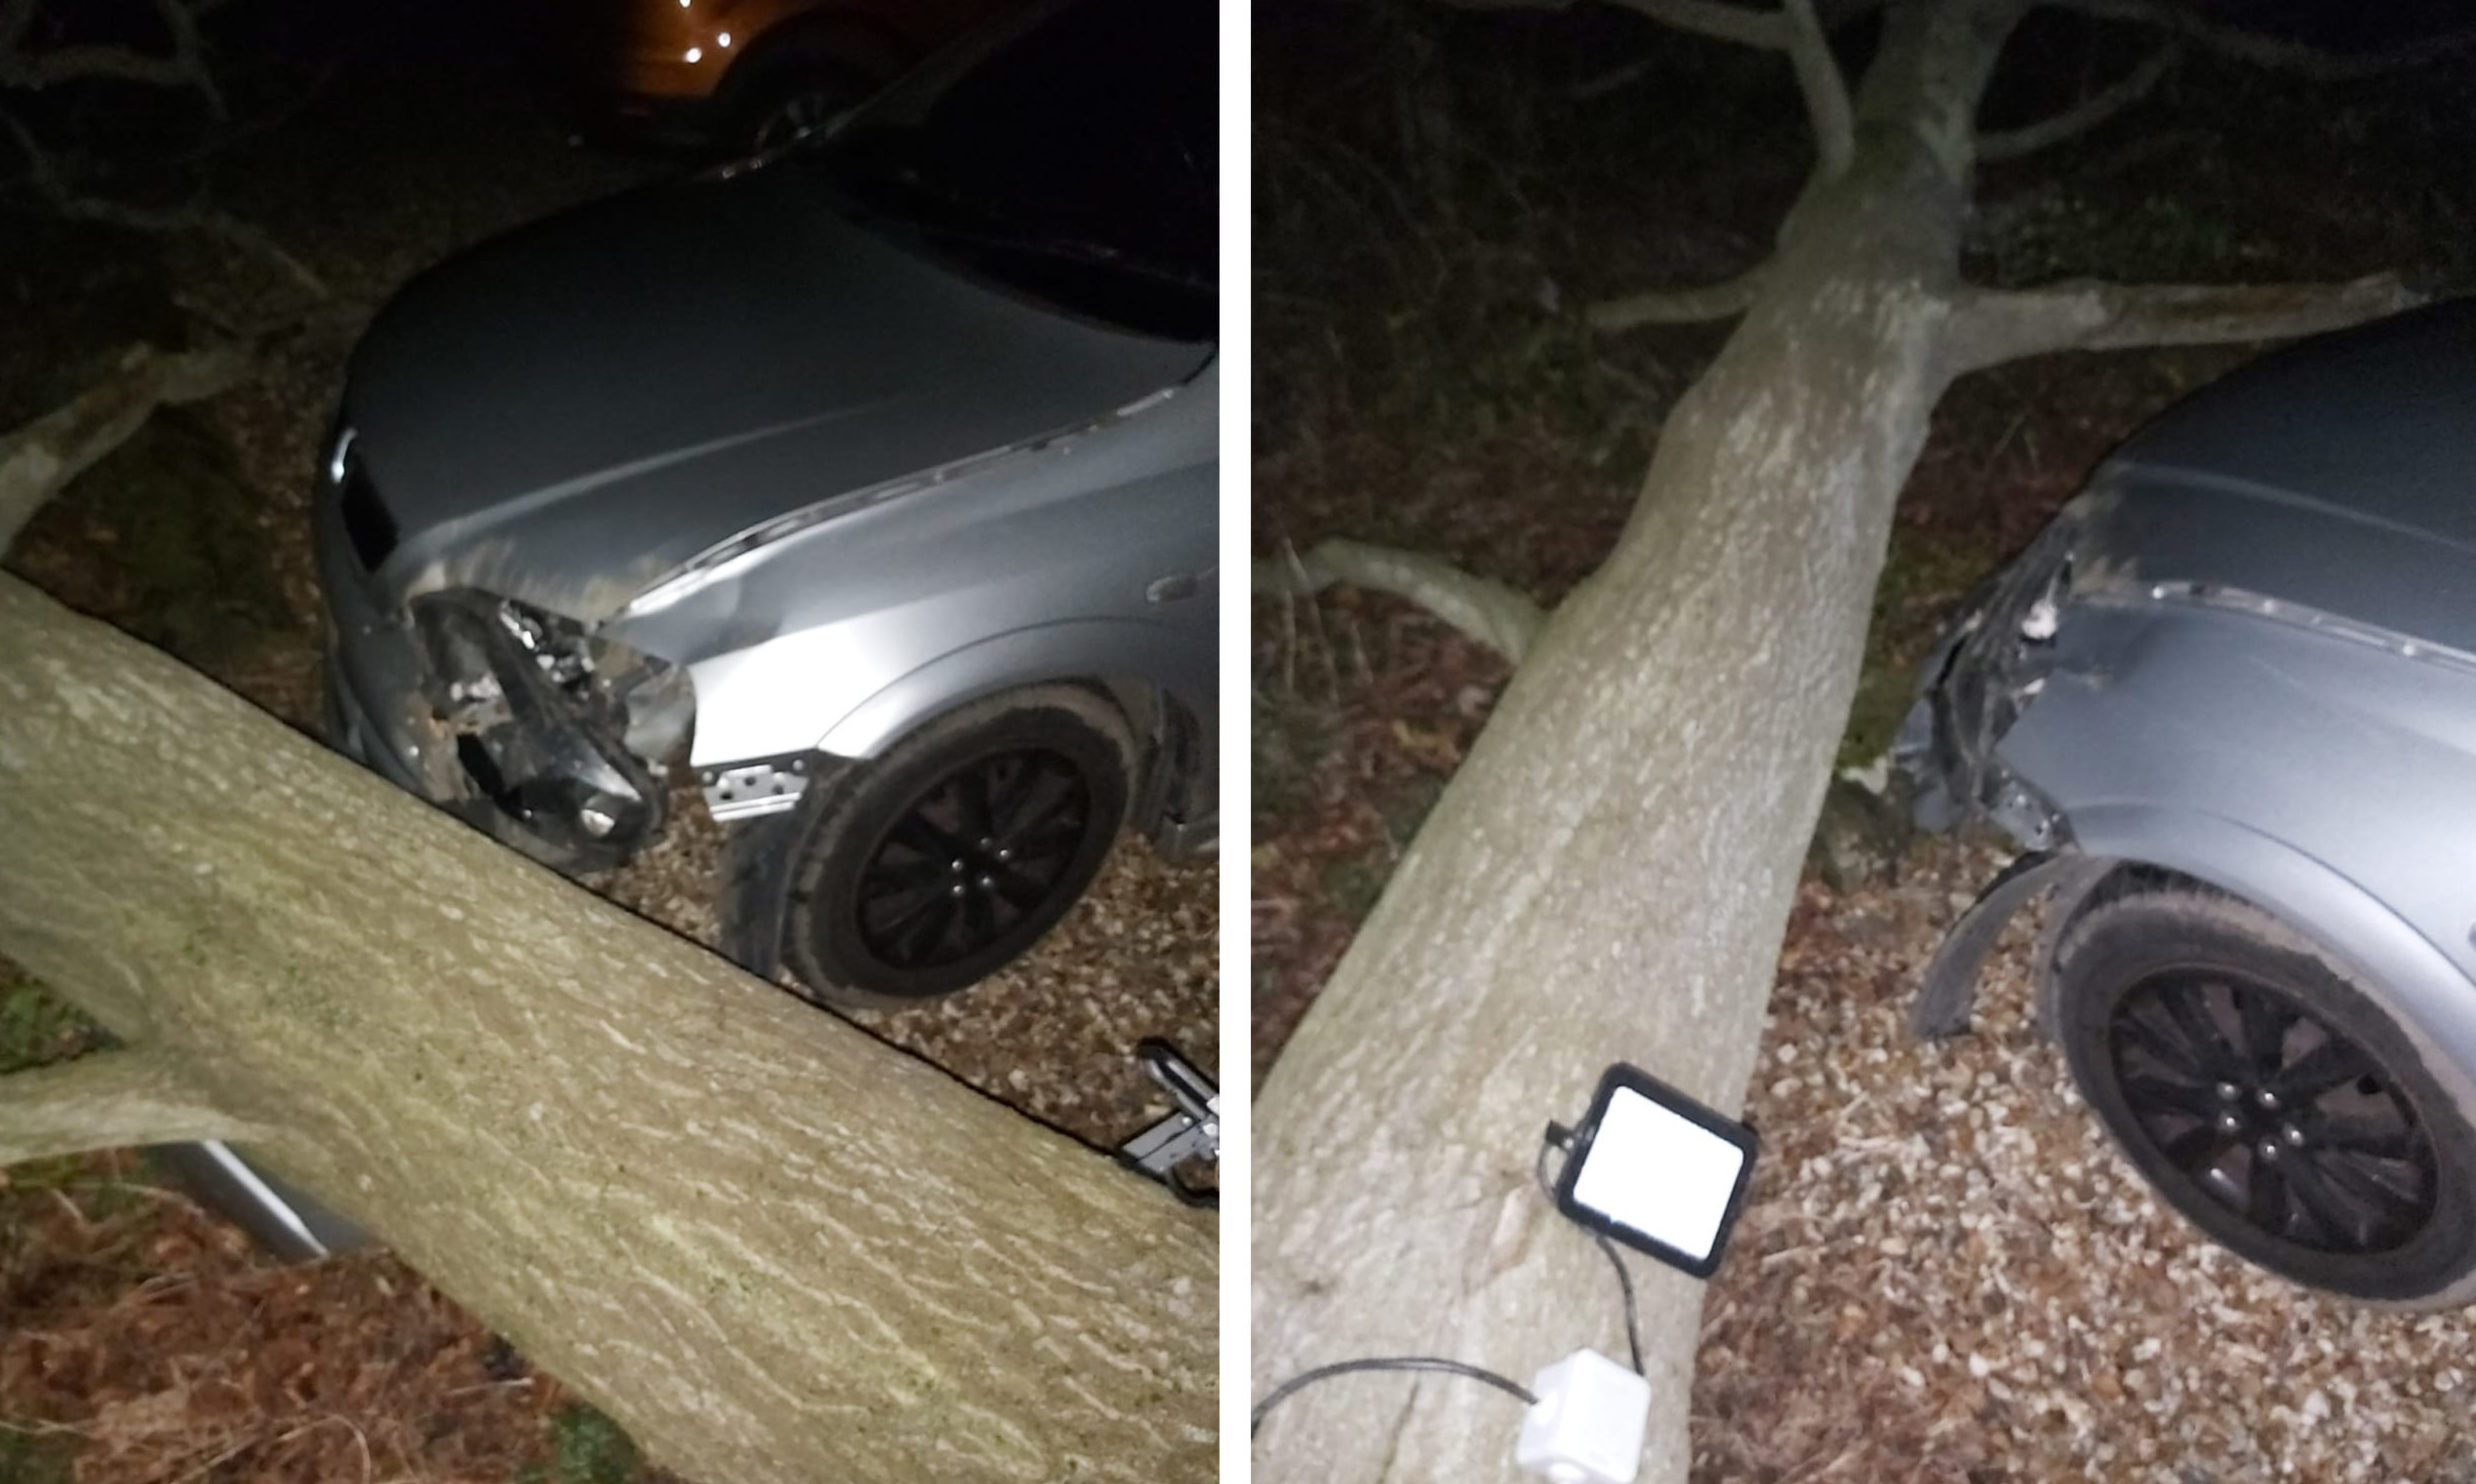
[
  {"x": 143, "y": 1341},
  {"x": 1945, "y": 1273}
]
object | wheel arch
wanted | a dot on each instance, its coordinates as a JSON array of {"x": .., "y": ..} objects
[
  {"x": 2397, "y": 967},
  {"x": 1135, "y": 665}
]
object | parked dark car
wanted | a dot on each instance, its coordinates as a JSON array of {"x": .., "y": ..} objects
[
  {"x": 2227, "y": 704},
  {"x": 732, "y": 76}
]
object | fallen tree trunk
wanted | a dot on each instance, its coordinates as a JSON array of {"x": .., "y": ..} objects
[{"x": 773, "y": 1248}]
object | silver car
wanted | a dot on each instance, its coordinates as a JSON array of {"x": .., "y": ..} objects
[
  {"x": 2227, "y": 704},
  {"x": 873, "y": 480}
]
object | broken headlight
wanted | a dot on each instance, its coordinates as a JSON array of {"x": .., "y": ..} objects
[
  {"x": 543, "y": 716},
  {"x": 1998, "y": 665}
]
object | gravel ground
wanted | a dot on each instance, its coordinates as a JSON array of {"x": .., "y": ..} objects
[
  {"x": 1948, "y": 1271},
  {"x": 1052, "y": 1034}
]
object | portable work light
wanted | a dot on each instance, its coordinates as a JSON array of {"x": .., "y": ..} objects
[{"x": 1657, "y": 1171}]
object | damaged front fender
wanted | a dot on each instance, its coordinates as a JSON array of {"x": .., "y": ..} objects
[{"x": 542, "y": 734}]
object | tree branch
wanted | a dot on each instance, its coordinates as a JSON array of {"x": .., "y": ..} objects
[
  {"x": 44, "y": 176},
  {"x": 39, "y": 458},
  {"x": 23, "y": 66},
  {"x": 1991, "y": 326},
  {"x": 2276, "y": 53},
  {"x": 2081, "y": 117},
  {"x": 1689, "y": 306},
  {"x": 1822, "y": 86},
  {"x": 1833, "y": 15},
  {"x": 1479, "y": 607},
  {"x": 105, "y": 1100}
]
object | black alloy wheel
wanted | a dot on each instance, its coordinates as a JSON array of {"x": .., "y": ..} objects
[
  {"x": 977, "y": 856},
  {"x": 2272, "y": 1113},
  {"x": 2265, "y": 1093},
  {"x": 926, "y": 869}
]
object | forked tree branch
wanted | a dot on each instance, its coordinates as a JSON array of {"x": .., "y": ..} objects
[
  {"x": 23, "y": 65},
  {"x": 1687, "y": 306},
  {"x": 1991, "y": 326},
  {"x": 106, "y": 1100},
  {"x": 2081, "y": 117},
  {"x": 2276, "y": 53},
  {"x": 44, "y": 176},
  {"x": 1479, "y": 607},
  {"x": 36, "y": 460}
]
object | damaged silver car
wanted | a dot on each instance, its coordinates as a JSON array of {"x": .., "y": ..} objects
[
  {"x": 2226, "y": 704},
  {"x": 872, "y": 480}
]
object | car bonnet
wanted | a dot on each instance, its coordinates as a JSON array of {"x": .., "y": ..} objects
[
  {"x": 2339, "y": 475},
  {"x": 566, "y": 413}
]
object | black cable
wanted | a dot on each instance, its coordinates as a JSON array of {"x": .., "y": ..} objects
[
  {"x": 1282, "y": 1392},
  {"x": 1624, "y": 1279},
  {"x": 1557, "y": 1137}
]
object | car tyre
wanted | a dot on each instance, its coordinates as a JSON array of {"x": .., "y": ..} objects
[
  {"x": 857, "y": 891},
  {"x": 2336, "y": 1161}
]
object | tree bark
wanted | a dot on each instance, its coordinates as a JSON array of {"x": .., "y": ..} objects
[
  {"x": 106, "y": 1100},
  {"x": 773, "y": 1248},
  {"x": 1609, "y": 874}
]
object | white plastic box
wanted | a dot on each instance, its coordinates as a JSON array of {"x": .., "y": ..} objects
[{"x": 1587, "y": 1426}]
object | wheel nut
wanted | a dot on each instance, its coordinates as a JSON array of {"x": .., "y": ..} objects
[
  {"x": 955, "y": 890},
  {"x": 986, "y": 882},
  {"x": 2269, "y": 1149},
  {"x": 2228, "y": 1092},
  {"x": 955, "y": 866},
  {"x": 1004, "y": 854},
  {"x": 2229, "y": 1123},
  {"x": 2266, "y": 1098},
  {"x": 2293, "y": 1135}
]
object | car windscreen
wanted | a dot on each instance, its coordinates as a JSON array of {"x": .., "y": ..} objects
[{"x": 1076, "y": 162}]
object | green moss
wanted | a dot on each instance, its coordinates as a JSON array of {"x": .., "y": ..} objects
[
  {"x": 1354, "y": 882},
  {"x": 37, "y": 1457},
  {"x": 1406, "y": 805},
  {"x": 185, "y": 541},
  {"x": 585, "y": 1448},
  {"x": 1287, "y": 740},
  {"x": 36, "y": 1028}
]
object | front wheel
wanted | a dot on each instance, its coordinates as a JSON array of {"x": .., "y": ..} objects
[
  {"x": 2266, "y": 1096},
  {"x": 925, "y": 870}
]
